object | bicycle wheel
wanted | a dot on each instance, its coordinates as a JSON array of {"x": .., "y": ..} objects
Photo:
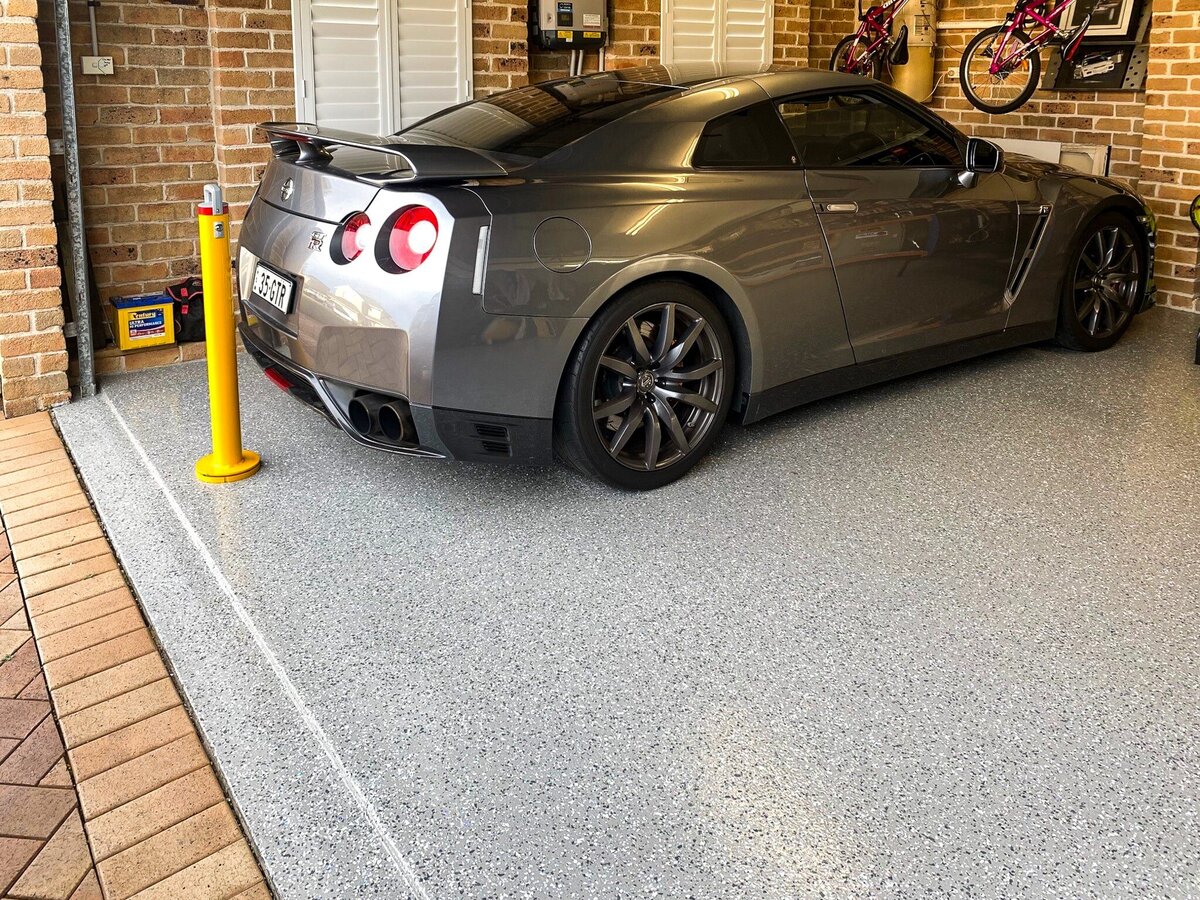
[
  {"x": 1003, "y": 92},
  {"x": 870, "y": 67}
]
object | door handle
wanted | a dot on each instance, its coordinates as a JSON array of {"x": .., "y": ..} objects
[{"x": 847, "y": 207}]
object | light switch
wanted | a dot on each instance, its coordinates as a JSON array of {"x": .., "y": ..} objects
[{"x": 97, "y": 65}]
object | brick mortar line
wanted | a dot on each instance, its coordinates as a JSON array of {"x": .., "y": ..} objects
[
  {"x": 227, "y": 795},
  {"x": 77, "y": 809}
]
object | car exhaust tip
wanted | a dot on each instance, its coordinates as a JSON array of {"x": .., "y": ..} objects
[
  {"x": 395, "y": 421},
  {"x": 364, "y": 413}
]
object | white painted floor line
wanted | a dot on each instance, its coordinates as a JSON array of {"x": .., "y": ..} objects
[{"x": 403, "y": 866}]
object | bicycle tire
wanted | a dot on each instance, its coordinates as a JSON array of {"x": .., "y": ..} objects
[
  {"x": 1035, "y": 65},
  {"x": 846, "y": 42}
]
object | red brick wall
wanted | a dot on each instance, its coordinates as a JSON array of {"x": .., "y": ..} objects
[
  {"x": 1171, "y": 146},
  {"x": 253, "y": 81},
  {"x": 636, "y": 30},
  {"x": 33, "y": 357},
  {"x": 145, "y": 138},
  {"x": 500, "y": 46},
  {"x": 829, "y": 22},
  {"x": 793, "y": 25}
]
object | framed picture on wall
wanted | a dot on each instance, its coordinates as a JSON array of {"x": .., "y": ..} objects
[
  {"x": 1096, "y": 67},
  {"x": 1112, "y": 20}
]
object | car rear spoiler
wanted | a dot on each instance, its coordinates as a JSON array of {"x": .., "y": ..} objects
[{"x": 425, "y": 162}]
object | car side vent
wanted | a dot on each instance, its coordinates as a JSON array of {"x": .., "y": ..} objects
[
  {"x": 1025, "y": 263},
  {"x": 494, "y": 439}
]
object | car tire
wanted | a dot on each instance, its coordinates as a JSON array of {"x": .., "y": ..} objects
[
  {"x": 1104, "y": 283},
  {"x": 647, "y": 388}
]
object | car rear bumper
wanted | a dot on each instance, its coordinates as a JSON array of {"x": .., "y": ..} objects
[{"x": 440, "y": 433}]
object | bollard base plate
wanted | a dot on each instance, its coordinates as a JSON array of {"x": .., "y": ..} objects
[{"x": 209, "y": 470}]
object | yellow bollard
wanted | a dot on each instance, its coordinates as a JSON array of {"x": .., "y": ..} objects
[{"x": 228, "y": 461}]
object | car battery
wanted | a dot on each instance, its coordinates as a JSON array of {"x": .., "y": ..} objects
[
  {"x": 144, "y": 320},
  {"x": 569, "y": 24}
]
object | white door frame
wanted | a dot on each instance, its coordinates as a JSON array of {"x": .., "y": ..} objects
[
  {"x": 466, "y": 52},
  {"x": 302, "y": 57}
]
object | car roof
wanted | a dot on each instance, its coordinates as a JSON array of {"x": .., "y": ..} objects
[
  {"x": 775, "y": 80},
  {"x": 593, "y": 115}
]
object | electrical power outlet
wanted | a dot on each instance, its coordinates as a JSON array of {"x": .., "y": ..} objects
[
  {"x": 952, "y": 73},
  {"x": 97, "y": 65}
]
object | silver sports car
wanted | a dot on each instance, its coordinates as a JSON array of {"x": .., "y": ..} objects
[{"x": 608, "y": 267}]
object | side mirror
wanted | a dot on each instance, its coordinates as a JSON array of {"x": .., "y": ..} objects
[{"x": 983, "y": 157}]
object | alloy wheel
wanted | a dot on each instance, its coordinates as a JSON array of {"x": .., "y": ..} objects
[
  {"x": 658, "y": 386},
  {"x": 1107, "y": 281}
]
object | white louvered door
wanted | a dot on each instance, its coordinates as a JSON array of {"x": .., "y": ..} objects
[
  {"x": 353, "y": 78},
  {"x": 748, "y": 32},
  {"x": 689, "y": 34},
  {"x": 375, "y": 66},
  {"x": 431, "y": 76},
  {"x": 737, "y": 32}
]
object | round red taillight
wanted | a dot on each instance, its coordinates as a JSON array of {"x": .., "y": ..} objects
[
  {"x": 412, "y": 238},
  {"x": 353, "y": 237}
]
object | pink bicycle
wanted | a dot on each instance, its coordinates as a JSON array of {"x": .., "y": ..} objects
[
  {"x": 867, "y": 50},
  {"x": 1001, "y": 66}
]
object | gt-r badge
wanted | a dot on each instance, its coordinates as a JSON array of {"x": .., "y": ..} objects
[
  {"x": 287, "y": 189},
  {"x": 316, "y": 241}
]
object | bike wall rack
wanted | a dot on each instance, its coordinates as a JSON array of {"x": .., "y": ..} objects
[{"x": 1135, "y": 71}]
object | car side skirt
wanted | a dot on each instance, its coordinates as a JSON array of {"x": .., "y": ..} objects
[{"x": 850, "y": 378}]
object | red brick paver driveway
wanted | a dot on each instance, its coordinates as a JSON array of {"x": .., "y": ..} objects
[{"x": 105, "y": 788}]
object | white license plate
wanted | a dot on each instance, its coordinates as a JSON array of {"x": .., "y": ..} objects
[{"x": 273, "y": 288}]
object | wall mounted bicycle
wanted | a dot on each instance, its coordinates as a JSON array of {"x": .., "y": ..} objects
[
  {"x": 1001, "y": 66},
  {"x": 871, "y": 47}
]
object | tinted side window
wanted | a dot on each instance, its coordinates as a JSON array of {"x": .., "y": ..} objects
[
  {"x": 747, "y": 139},
  {"x": 862, "y": 130}
]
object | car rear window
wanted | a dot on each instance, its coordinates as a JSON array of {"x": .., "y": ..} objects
[{"x": 537, "y": 120}]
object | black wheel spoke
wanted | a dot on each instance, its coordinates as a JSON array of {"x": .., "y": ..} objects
[
  {"x": 619, "y": 366},
  {"x": 666, "y": 332},
  {"x": 631, "y": 423},
  {"x": 674, "y": 427},
  {"x": 653, "y": 440},
  {"x": 679, "y": 351},
  {"x": 615, "y": 406},
  {"x": 641, "y": 354},
  {"x": 1121, "y": 261},
  {"x": 689, "y": 397},
  {"x": 695, "y": 373}
]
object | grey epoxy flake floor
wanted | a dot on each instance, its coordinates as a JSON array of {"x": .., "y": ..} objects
[{"x": 937, "y": 638}]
